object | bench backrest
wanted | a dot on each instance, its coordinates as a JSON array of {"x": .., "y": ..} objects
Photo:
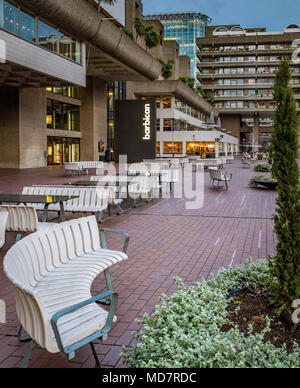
[
  {"x": 215, "y": 174},
  {"x": 20, "y": 218},
  {"x": 31, "y": 259},
  {"x": 3, "y": 220},
  {"x": 92, "y": 197}
]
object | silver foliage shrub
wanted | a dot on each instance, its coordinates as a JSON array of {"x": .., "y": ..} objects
[{"x": 185, "y": 330}]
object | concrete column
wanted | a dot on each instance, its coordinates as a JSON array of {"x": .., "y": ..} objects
[
  {"x": 256, "y": 130},
  {"x": 93, "y": 118},
  {"x": 226, "y": 149},
  {"x": 217, "y": 150}
]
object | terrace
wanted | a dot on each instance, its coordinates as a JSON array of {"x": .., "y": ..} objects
[{"x": 167, "y": 241}]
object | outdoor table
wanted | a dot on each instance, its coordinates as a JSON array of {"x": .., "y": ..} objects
[
  {"x": 82, "y": 183},
  {"x": 41, "y": 199}
]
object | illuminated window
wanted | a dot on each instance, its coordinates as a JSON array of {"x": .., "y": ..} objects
[{"x": 173, "y": 148}]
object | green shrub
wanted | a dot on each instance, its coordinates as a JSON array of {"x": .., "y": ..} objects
[
  {"x": 286, "y": 264},
  {"x": 185, "y": 330}
]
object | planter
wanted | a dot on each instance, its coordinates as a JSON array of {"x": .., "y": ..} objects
[{"x": 269, "y": 185}]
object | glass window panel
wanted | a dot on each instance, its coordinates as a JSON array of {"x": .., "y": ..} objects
[
  {"x": 10, "y": 19},
  {"x": 27, "y": 27},
  {"x": 69, "y": 48},
  {"x": 48, "y": 36}
]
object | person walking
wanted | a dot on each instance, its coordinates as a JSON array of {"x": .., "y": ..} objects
[{"x": 107, "y": 155}]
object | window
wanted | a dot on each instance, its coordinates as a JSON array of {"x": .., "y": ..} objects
[
  {"x": 27, "y": 27},
  {"x": 173, "y": 148},
  {"x": 18, "y": 22},
  {"x": 63, "y": 116},
  {"x": 10, "y": 19},
  {"x": 69, "y": 47},
  {"x": 168, "y": 125},
  {"x": 48, "y": 36}
]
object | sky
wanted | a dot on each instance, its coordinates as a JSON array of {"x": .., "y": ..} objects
[{"x": 275, "y": 15}]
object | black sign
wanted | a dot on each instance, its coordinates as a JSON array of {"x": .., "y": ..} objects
[{"x": 135, "y": 130}]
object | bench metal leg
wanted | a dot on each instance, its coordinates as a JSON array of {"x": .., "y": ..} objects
[
  {"x": 100, "y": 216},
  {"x": 135, "y": 204},
  {"x": 97, "y": 365},
  {"x": 45, "y": 214},
  {"x": 23, "y": 337},
  {"x": 27, "y": 355},
  {"x": 62, "y": 212}
]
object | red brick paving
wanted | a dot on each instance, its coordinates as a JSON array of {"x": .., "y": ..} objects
[{"x": 167, "y": 241}]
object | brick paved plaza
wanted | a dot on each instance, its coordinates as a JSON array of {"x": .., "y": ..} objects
[{"x": 167, "y": 241}]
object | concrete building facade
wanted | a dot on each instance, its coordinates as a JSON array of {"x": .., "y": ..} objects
[
  {"x": 184, "y": 28},
  {"x": 237, "y": 67},
  {"x": 53, "y": 84},
  {"x": 184, "y": 119}
]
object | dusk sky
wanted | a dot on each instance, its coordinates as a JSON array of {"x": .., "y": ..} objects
[{"x": 275, "y": 15}]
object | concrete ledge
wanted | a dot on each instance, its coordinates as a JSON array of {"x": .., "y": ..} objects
[
  {"x": 83, "y": 22},
  {"x": 176, "y": 88}
]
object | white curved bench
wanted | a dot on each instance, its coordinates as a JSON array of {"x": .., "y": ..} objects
[
  {"x": 22, "y": 219},
  {"x": 3, "y": 220},
  {"x": 52, "y": 271},
  {"x": 90, "y": 200},
  {"x": 79, "y": 166}
]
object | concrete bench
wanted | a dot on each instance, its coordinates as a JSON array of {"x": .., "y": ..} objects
[
  {"x": 90, "y": 200},
  {"x": 219, "y": 177},
  {"x": 3, "y": 220},
  {"x": 22, "y": 219},
  {"x": 52, "y": 271}
]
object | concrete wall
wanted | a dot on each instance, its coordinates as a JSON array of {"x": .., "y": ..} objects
[
  {"x": 232, "y": 123},
  {"x": 93, "y": 118},
  {"x": 23, "y": 138}
]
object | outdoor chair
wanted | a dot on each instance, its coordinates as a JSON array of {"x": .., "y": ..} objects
[
  {"x": 3, "y": 220},
  {"x": 216, "y": 176},
  {"x": 246, "y": 163},
  {"x": 52, "y": 271}
]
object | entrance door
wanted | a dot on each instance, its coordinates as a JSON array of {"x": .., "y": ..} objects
[{"x": 62, "y": 151}]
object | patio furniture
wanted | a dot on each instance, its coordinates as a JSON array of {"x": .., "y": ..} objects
[
  {"x": 3, "y": 220},
  {"x": 52, "y": 271},
  {"x": 80, "y": 199},
  {"x": 169, "y": 177},
  {"x": 22, "y": 219},
  {"x": 141, "y": 189},
  {"x": 41, "y": 200},
  {"x": 246, "y": 163},
  {"x": 80, "y": 166},
  {"x": 219, "y": 177},
  {"x": 73, "y": 168}
]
